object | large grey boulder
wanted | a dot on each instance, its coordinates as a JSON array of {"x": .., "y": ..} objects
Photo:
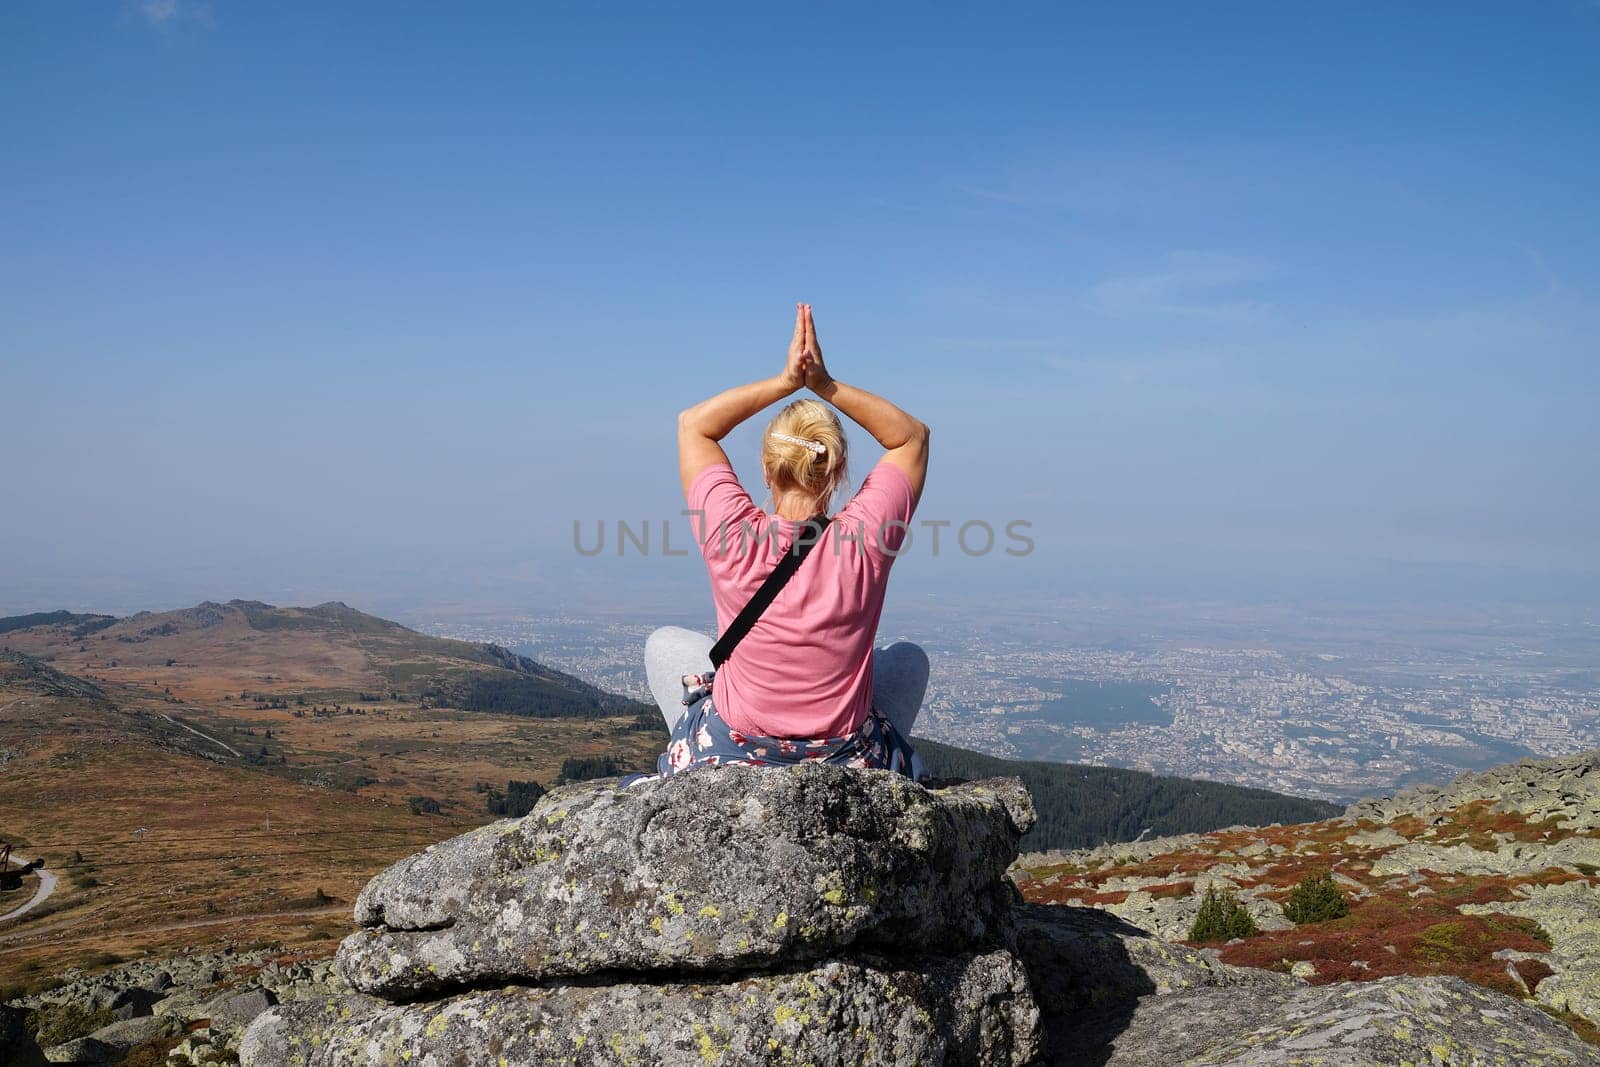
[
  {"x": 1440, "y": 1022},
  {"x": 709, "y": 872},
  {"x": 126, "y": 1033},
  {"x": 236, "y": 1011},
  {"x": 969, "y": 1009},
  {"x": 134, "y": 1002}
]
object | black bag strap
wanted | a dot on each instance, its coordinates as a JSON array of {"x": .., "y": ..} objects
[{"x": 796, "y": 555}]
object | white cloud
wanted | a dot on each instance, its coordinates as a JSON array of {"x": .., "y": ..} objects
[
  {"x": 1192, "y": 284},
  {"x": 159, "y": 12},
  {"x": 167, "y": 14}
]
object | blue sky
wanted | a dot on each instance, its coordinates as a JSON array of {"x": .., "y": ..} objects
[{"x": 304, "y": 299}]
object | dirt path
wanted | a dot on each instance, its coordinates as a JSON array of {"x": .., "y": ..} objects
[
  {"x": 47, "y": 885},
  {"x": 208, "y": 737}
]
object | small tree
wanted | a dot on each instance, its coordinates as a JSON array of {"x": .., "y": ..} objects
[
  {"x": 423, "y": 805},
  {"x": 1221, "y": 918},
  {"x": 518, "y": 799},
  {"x": 1316, "y": 899}
]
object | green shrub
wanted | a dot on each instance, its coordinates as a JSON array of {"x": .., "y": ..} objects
[
  {"x": 1316, "y": 899},
  {"x": 518, "y": 799},
  {"x": 586, "y": 768},
  {"x": 56, "y": 1024},
  {"x": 423, "y": 805},
  {"x": 1221, "y": 918}
]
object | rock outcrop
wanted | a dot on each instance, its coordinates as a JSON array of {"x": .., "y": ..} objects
[
  {"x": 827, "y": 916},
  {"x": 1564, "y": 786},
  {"x": 740, "y": 915},
  {"x": 699, "y": 874}
]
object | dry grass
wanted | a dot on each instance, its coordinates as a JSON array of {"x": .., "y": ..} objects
[{"x": 165, "y": 841}]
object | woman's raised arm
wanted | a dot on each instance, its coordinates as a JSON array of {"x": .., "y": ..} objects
[
  {"x": 905, "y": 437},
  {"x": 708, "y": 422}
]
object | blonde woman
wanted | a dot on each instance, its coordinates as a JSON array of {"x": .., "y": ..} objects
[{"x": 805, "y": 682}]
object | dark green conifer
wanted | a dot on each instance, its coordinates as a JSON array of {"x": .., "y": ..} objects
[
  {"x": 1316, "y": 899},
  {"x": 1221, "y": 918}
]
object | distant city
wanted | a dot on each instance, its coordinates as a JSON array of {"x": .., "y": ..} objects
[{"x": 1329, "y": 706}]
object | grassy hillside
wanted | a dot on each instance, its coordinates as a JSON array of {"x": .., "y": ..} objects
[
  {"x": 230, "y": 772},
  {"x": 335, "y": 652},
  {"x": 1081, "y": 806}
]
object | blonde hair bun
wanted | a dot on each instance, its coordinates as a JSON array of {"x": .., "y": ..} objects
[{"x": 804, "y": 450}]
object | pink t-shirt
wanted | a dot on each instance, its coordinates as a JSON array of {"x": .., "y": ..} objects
[{"x": 805, "y": 668}]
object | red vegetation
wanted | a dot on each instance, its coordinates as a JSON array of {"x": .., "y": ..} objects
[
  {"x": 1106, "y": 898},
  {"x": 1389, "y": 931},
  {"x": 1532, "y": 972},
  {"x": 1394, "y": 934}
]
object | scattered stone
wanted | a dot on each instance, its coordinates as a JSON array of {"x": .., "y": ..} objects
[
  {"x": 1518, "y": 857},
  {"x": 1382, "y": 837}
]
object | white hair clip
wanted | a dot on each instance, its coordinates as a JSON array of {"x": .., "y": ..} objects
[{"x": 815, "y": 446}]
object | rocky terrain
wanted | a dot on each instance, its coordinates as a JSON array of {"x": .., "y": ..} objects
[
  {"x": 186, "y": 1009},
  {"x": 824, "y": 916},
  {"x": 1492, "y": 879}
]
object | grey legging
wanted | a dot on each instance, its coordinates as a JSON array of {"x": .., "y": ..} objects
[{"x": 899, "y": 674}]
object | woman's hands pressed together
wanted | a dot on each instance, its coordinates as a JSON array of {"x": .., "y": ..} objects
[
  {"x": 817, "y": 376},
  {"x": 797, "y": 363},
  {"x": 804, "y": 367},
  {"x": 702, "y": 426}
]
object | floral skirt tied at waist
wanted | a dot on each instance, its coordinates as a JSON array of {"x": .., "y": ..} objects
[{"x": 701, "y": 739}]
